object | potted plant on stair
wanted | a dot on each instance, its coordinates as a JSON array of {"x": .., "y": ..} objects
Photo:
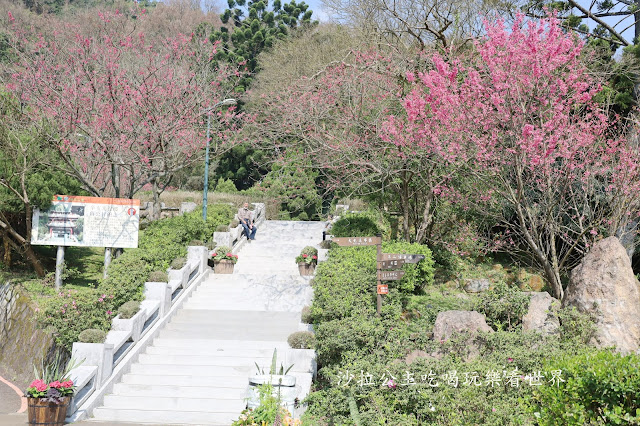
[
  {"x": 223, "y": 260},
  {"x": 307, "y": 260},
  {"x": 278, "y": 382},
  {"x": 49, "y": 395}
]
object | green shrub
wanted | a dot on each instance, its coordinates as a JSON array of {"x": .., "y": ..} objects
[
  {"x": 211, "y": 245},
  {"x": 234, "y": 223},
  {"x": 576, "y": 325},
  {"x": 178, "y": 263},
  {"x": 223, "y": 249},
  {"x": 226, "y": 186},
  {"x": 158, "y": 277},
  {"x": 129, "y": 309},
  {"x": 327, "y": 244},
  {"x": 504, "y": 306},
  {"x": 354, "y": 225},
  {"x": 305, "y": 315},
  {"x": 92, "y": 335},
  {"x": 427, "y": 307},
  {"x": 302, "y": 340},
  {"x": 417, "y": 276},
  {"x": 222, "y": 228},
  {"x": 597, "y": 387},
  {"x": 309, "y": 250},
  {"x": 196, "y": 243}
]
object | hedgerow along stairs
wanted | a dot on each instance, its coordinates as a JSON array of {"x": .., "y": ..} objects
[{"x": 196, "y": 371}]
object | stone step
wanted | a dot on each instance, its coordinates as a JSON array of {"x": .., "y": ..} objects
[
  {"x": 174, "y": 403},
  {"x": 251, "y": 353},
  {"x": 166, "y": 417},
  {"x": 218, "y": 392},
  {"x": 197, "y": 380},
  {"x": 300, "y": 362},
  {"x": 220, "y": 318},
  {"x": 216, "y": 344},
  {"x": 230, "y": 360},
  {"x": 277, "y": 334},
  {"x": 191, "y": 370}
]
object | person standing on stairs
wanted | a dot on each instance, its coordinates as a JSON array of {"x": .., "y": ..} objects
[{"x": 245, "y": 216}]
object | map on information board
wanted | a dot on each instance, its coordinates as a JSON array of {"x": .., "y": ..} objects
[{"x": 87, "y": 222}]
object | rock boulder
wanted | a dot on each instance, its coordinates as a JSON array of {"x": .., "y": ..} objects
[
  {"x": 476, "y": 285},
  {"x": 451, "y": 322},
  {"x": 541, "y": 316},
  {"x": 603, "y": 284}
]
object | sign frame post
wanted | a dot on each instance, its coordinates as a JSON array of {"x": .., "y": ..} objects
[{"x": 383, "y": 261}]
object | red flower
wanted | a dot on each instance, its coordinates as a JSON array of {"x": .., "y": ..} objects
[
  {"x": 55, "y": 385},
  {"x": 314, "y": 257},
  {"x": 67, "y": 384},
  {"x": 304, "y": 255},
  {"x": 39, "y": 385}
]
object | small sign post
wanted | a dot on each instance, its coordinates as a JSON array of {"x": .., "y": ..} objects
[{"x": 389, "y": 264}]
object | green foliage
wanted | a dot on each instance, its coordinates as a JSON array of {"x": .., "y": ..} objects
[
  {"x": 254, "y": 28},
  {"x": 158, "y": 277},
  {"x": 355, "y": 225},
  {"x": 92, "y": 335},
  {"x": 73, "y": 311},
  {"x": 309, "y": 250},
  {"x": 427, "y": 307},
  {"x": 597, "y": 387},
  {"x": 267, "y": 413},
  {"x": 178, "y": 263},
  {"x": 576, "y": 325},
  {"x": 353, "y": 342},
  {"x": 294, "y": 187},
  {"x": 243, "y": 166},
  {"x": 225, "y": 185},
  {"x": 305, "y": 315},
  {"x": 302, "y": 340},
  {"x": 129, "y": 309},
  {"x": 504, "y": 306},
  {"x": 222, "y": 228},
  {"x": 417, "y": 276}
]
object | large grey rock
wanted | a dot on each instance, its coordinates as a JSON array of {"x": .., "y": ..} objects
[
  {"x": 541, "y": 316},
  {"x": 450, "y": 322},
  {"x": 605, "y": 278},
  {"x": 476, "y": 285}
]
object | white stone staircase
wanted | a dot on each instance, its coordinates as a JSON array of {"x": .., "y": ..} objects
[{"x": 196, "y": 371}]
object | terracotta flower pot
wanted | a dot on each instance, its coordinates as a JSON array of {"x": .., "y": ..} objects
[
  {"x": 306, "y": 268},
  {"x": 223, "y": 266},
  {"x": 41, "y": 412}
]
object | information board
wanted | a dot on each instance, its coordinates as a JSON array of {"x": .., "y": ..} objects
[{"x": 87, "y": 222}]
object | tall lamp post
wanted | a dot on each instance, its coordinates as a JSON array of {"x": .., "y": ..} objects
[{"x": 207, "y": 111}]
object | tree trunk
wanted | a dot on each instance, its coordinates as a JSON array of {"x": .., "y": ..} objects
[
  {"x": 157, "y": 209},
  {"x": 25, "y": 246},
  {"x": 404, "y": 200}
]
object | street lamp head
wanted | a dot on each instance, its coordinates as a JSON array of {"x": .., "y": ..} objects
[{"x": 228, "y": 101}]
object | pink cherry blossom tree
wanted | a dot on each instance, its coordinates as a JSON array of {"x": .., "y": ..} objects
[
  {"x": 123, "y": 110},
  {"x": 548, "y": 170}
]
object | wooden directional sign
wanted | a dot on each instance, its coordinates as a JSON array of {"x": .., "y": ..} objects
[
  {"x": 390, "y": 275},
  {"x": 383, "y": 289},
  {"x": 408, "y": 258},
  {"x": 391, "y": 264},
  {"x": 357, "y": 241}
]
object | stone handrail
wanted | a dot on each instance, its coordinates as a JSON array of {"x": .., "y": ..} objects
[{"x": 102, "y": 364}]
